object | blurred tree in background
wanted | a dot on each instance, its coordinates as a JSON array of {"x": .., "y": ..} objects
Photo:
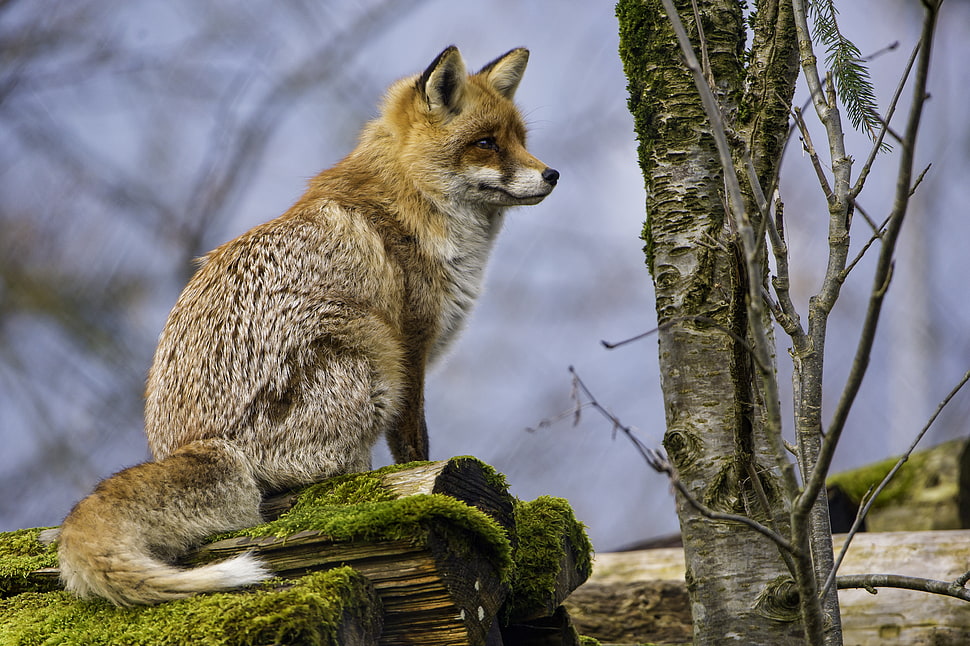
[{"x": 109, "y": 194}]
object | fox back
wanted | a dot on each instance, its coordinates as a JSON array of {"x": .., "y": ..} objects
[
  {"x": 306, "y": 338},
  {"x": 297, "y": 345}
]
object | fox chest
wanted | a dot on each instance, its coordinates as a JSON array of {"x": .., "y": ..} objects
[{"x": 443, "y": 292}]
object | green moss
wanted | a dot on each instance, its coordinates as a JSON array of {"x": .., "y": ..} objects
[
  {"x": 306, "y": 611},
  {"x": 355, "y": 507},
  {"x": 541, "y": 526},
  {"x": 21, "y": 553},
  {"x": 358, "y": 507},
  {"x": 857, "y": 482},
  {"x": 492, "y": 477}
]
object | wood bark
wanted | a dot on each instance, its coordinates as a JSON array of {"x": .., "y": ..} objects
[{"x": 715, "y": 433}]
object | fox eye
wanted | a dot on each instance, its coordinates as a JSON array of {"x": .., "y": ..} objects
[{"x": 487, "y": 143}]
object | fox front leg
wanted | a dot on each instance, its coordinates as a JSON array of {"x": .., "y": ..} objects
[{"x": 408, "y": 439}]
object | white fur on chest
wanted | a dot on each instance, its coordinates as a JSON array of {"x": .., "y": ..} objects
[{"x": 463, "y": 255}]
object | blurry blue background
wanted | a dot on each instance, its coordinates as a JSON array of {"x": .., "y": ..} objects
[{"x": 136, "y": 136}]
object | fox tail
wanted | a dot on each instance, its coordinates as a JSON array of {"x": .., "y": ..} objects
[{"x": 120, "y": 542}]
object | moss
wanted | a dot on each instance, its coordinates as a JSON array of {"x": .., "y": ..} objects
[
  {"x": 21, "y": 553},
  {"x": 307, "y": 611},
  {"x": 355, "y": 507},
  {"x": 493, "y": 478},
  {"x": 358, "y": 507},
  {"x": 541, "y": 526},
  {"x": 857, "y": 482}
]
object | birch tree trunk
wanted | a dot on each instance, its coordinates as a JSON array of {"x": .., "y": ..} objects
[{"x": 715, "y": 436}]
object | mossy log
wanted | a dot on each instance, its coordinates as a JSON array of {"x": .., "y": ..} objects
[
  {"x": 463, "y": 478},
  {"x": 431, "y": 592},
  {"x": 449, "y": 555}
]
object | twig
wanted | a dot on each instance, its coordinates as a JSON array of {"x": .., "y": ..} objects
[
  {"x": 809, "y": 148},
  {"x": 877, "y": 235},
  {"x": 786, "y": 315},
  {"x": 656, "y": 460},
  {"x": 705, "y": 60},
  {"x": 871, "y": 499},
  {"x": 872, "y": 581},
  {"x": 890, "y": 111},
  {"x": 697, "y": 318},
  {"x": 659, "y": 463}
]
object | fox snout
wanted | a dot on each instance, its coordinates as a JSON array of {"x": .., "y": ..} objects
[
  {"x": 549, "y": 178},
  {"x": 536, "y": 187},
  {"x": 524, "y": 186}
]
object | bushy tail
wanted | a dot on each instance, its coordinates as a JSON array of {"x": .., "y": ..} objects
[{"x": 118, "y": 542}]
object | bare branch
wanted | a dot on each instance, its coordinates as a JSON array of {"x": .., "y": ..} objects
[
  {"x": 871, "y": 496},
  {"x": 659, "y": 463},
  {"x": 870, "y": 582},
  {"x": 877, "y": 142},
  {"x": 809, "y": 148}
]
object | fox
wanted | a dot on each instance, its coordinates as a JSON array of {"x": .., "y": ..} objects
[{"x": 297, "y": 345}]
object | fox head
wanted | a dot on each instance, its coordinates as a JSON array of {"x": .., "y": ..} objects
[{"x": 460, "y": 137}]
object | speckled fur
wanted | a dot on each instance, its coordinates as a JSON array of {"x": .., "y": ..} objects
[{"x": 298, "y": 344}]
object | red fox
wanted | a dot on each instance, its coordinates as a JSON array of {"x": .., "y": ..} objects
[{"x": 298, "y": 344}]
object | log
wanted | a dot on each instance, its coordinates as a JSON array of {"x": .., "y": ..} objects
[
  {"x": 429, "y": 593},
  {"x": 646, "y": 591},
  {"x": 552, "y": 559},
  {"x": 433, "y": 541},
  {"x": 633, "y": 597},
  {"x": 438, "y": 566},
  {"x": 633, "y": 612},
  {"x": 464, "y": 478}
]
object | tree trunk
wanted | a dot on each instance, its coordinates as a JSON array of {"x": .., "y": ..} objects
[{"x": 715, "y": 431}]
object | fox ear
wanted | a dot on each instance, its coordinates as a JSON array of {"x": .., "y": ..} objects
[
  {"x": 505, "y": 72},
  {"x": 443, "y": 82}
]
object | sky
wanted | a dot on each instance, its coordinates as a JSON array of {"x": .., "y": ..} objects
[{"x": 565, "y": 275}]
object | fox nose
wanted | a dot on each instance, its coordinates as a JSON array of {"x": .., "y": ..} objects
[{"x": 551, "y": 175}]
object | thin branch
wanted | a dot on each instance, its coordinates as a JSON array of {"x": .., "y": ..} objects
[
  {"x": 870, "y": 582},
  {"x": 659, "y": 463},
  {"x": 877, "y": 235},
  {"x": 877, "y": 142},
  {"x": 809, "y": 148},
  {"x": 786, "y": 314},
  {"x": 696, "y": 318},
  {"x": 656, "y": 460},
  {"x": 962, "y": 579},
  {"x": 705, "y": 59},
  {"x": 870, "y": 499}
]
